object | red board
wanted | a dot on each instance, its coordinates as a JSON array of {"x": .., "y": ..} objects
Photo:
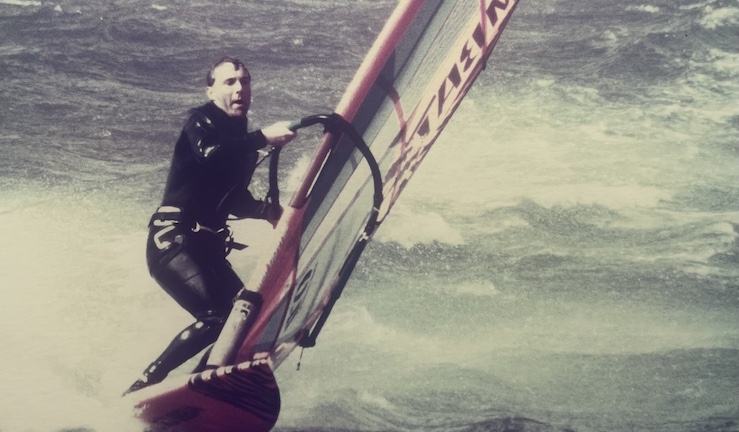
[{"x": 236, "y": 398}]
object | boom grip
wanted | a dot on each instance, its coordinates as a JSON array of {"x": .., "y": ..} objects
[
  {"x": 295, "y": 125},
  {"x": 324, "y": 119}
]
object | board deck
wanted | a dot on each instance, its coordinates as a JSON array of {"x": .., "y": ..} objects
[{"x": 227, "y": 399}]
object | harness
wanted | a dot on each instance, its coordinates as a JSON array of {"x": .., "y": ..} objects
[{"x": 167, "y": 218}]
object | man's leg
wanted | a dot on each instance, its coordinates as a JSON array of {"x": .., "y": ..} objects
[{"x": 187, "y": 344}]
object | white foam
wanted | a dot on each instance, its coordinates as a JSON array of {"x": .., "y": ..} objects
[
  {"x": 725, "y": 62},
  {"x": 76, "y": 303},
  {"x": 408, "y": 228},
  {"x": 719, "y": 17},
  {"x": 644, "y": 8},
  {"x": 21, "y": 2},
  {"x": 479, "y": 288},
  {"x": 375, "y": 400}
]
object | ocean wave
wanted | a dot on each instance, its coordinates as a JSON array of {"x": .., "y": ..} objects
[
  {"x": 459, "y": 400},
  {"x": 575, "y": 221},
  {"x": 610, "y": 197},
  {"x": 510, "y": 394}
]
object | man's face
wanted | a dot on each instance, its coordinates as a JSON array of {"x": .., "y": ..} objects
[{"x": 231, "y": 90}]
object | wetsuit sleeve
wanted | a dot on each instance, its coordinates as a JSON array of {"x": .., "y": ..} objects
[
  {"x": 257, "y": 139},
  {"x": 246, "y": 206},
  {"x": 206, "y": 139}
]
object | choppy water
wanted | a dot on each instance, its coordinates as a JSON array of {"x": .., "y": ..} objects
[{"x": 566, "y": 258}]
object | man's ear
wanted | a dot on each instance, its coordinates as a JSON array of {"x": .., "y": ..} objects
[{"x": 209, "y": 92}]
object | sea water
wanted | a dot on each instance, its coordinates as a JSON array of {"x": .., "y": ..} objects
[{"x": 566, "y": 258}]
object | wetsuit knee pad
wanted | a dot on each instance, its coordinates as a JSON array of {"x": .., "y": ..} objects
[
  {"x": 212, "y": 318},
  {"x": 206, "y": 329}
]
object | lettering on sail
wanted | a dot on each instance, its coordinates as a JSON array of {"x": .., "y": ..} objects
[{"x": 435, "y": 109}]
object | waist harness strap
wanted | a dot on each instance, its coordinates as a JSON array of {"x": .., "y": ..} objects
[{"x": 169, "y": 216}]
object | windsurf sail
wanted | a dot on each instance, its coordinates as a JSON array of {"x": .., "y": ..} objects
[{"x": 421, "y": 66}]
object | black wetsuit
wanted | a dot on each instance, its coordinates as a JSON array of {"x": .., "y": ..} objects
[{"x": 213, "y": 162}]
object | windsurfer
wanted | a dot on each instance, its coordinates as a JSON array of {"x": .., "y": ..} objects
[{"x": 213, "y": 162}]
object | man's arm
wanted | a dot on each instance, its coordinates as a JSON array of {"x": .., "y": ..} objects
[
  {"x": 277, "y": 135},
  {"x": 248, "y": 207}
]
